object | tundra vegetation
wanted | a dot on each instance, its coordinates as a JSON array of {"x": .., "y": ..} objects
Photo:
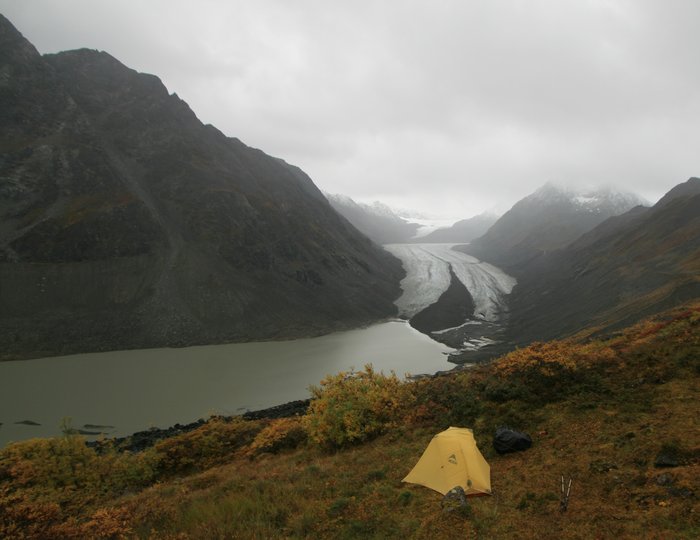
[{"x": 606, "y": 412}]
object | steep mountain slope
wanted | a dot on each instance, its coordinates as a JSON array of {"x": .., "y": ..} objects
[
  {"x": 549, "y": 219},
  {"x": 464, "y": 230},
  {"x": 628, "y": 267},
  {"x": 125, "y": 222},
  {"x": 376, "y": 220}
]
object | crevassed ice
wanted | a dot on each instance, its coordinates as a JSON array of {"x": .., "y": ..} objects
[{"x": 428, "y": 276}]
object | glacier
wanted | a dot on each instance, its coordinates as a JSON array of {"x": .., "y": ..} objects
[
  {"x": 429, "y": 269},
  {"x": 428, "y": 276}
]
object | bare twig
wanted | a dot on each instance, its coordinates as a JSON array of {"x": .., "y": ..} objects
[{"x": 565, "y": 492}]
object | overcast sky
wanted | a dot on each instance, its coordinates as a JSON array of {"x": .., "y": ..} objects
[{"x": 451, "y": 107}]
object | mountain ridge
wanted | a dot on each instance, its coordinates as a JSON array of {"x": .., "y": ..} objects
[
  {"x": 462, "y": 231},
  {"x": 377, "y": 221},
  {"x": 628, "y": 267},
  {"x": 127, "y": 223},
  {"x": 548, "y": 219}
]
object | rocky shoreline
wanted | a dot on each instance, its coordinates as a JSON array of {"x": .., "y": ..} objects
[{"x": 142, "y": 440}]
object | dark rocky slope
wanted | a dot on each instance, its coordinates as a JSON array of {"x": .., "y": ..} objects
[
  {"x": 125, "y": 222},
  {"x": 629, "y": 267}
]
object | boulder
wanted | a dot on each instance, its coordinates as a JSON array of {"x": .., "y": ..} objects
[
  {"x": 666, "y": 458},
  {"x": 508, "y": 440},
  {"x": 455, "y": 500}
]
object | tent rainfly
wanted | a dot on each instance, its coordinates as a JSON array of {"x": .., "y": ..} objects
[{"x": 452, "y": 459}]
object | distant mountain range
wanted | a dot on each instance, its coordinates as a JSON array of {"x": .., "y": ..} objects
[
  {"x": 549, "y": 219},
  {"x": 463, "y": 231},
  {"x": 125, "y": 222},
  {"x": 599, "y": 259},
  {"x": 387, "y": 226},
  {"x": 377, "y": 220}
]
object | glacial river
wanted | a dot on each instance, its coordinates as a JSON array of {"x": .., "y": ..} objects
[{"x": 134, "y": 390}]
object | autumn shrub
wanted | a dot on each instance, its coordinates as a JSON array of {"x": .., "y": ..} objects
[
  {"x": 42, "y": 481},
  {"x": 445, "y": 401},
  {"x": 543, "y": 358},
  {"x": 501, "y": 390},
  {"x": 278, "y": 435},
  {"x": 352, "y": 407},
  {"x": 213, "y": 443},
  {"x": 62, "y": 465},
  {"x": 675, "y": 339},
  {"x": 547, "y": 372},
  {"x": 102, "y": 523}
]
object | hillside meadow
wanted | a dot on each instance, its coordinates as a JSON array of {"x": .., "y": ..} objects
[{"x": 618, "y": 415}]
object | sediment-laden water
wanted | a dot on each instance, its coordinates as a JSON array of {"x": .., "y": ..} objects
[{"x": 134, "y": 390}]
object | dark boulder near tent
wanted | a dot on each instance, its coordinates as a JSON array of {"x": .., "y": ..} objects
[
  {"x": 455, "y": 501},
  {"x": 509, "y": 440}
]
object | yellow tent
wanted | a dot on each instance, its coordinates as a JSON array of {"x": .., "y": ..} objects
[{"x": 453, "y": 459}]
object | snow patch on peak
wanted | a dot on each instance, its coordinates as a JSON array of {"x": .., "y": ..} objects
[
  {"x": 609, "y": 200},
  {"x": 598, "y": 200},
  {"x": 381, "y": 209},
  {"x": 584, "y": 199},
  {"x": 375, "y": 208},
  {"x": 339, "y": 198}
]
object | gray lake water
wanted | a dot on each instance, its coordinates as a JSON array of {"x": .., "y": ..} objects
[{"x": 135, "y": 390}]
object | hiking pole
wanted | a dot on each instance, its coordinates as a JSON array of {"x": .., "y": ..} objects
[{"x": 564, "y": 500}]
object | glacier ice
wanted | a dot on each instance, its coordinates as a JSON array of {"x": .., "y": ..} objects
[{"x": 428, "y": 276}]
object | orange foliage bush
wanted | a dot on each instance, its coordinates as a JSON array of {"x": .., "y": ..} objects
[
  {"x": 547, "y": 372},
  {"x": 680, "y": 323},
  {"x": 279, "y": 434},
  {"x": 103, "y": 523},
  {"x": 213, "y": 443},
  {"x": 545, "y": 358},
  {"x": 353, "y": 407},
  {"x": 554, "y": 357},
  {"x": 43, "y": 481}
]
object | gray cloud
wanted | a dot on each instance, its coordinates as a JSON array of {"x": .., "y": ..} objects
[{"x": 449, "y": 106}]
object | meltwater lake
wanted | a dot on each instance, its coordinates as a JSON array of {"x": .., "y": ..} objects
[{"x": 137, "y": 389}]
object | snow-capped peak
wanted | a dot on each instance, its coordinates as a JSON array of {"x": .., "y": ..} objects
[
  {"x": 381, "y": 209},
  {"x": 596, "y": 200}
]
